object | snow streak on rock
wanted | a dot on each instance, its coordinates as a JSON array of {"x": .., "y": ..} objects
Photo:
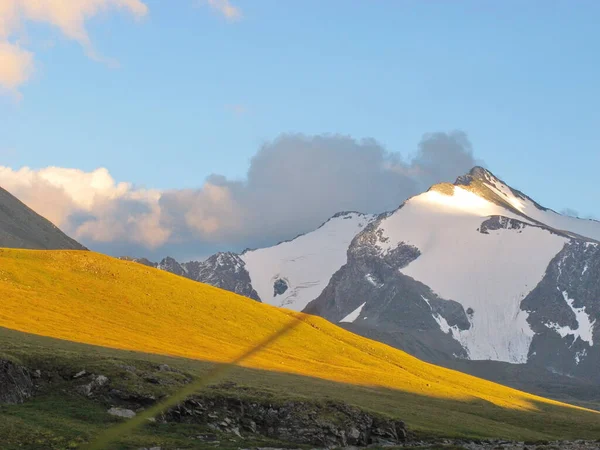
[
  {"x": 585, "y": 325},
  {"x": 354, "y": 314}
]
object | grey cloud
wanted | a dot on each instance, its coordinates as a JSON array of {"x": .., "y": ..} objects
[{"x": 442, "y": 157}]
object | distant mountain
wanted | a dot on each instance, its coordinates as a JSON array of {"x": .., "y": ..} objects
[
  {"x": 468, "y": 271},
  {"x": 21, "y": 227}
]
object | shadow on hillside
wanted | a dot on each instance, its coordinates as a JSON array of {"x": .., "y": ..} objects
[{"x": 427, "y": 416}]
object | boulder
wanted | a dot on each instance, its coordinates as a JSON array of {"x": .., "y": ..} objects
[{"x": 121, "y": 412}]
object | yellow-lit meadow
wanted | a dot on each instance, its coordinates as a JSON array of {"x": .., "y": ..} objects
[{"x": 95, "y": 299}]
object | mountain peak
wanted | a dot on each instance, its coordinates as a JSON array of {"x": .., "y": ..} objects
[
  {"x": 478, "y": 173},
  {"x": 477, "y": 180}
]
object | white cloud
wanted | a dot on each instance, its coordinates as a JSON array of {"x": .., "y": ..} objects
[
  {"x": 16, "y": 67},
  {"x": 224, "y": 7},
  {"x": 69, "y": 16},
  {"x": 293, "y": 184},
  {"x": 90, "y": 206}
]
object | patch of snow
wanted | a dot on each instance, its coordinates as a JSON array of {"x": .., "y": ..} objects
[
  {"x": 372, "y": 280},
  {"x": 459, "y": 335},
  {"x": 426, "y": 301},
  {"x": 307, "y": 262},
  {"x": 585, "y": 269},
  {"x": 491, "y": 273},
  {"x": 585, "y": 326},
  {"x": 580, "y": 355},
  {"x": 560, "y": 265},
  {"x": 558, "y": 372},
  {"x": 456, "y": 332},
  {"x": 354, "y": 314}
]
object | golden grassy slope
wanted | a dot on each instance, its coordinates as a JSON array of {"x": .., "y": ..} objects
[{"x": 94, "y": 299}]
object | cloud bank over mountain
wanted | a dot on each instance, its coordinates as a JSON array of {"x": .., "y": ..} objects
[{"x": 293, "y": 184}]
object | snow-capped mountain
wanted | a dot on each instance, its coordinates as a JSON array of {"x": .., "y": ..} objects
[
  {"x": 473, "y": 270},
  {"x": 479, "y": 271}
]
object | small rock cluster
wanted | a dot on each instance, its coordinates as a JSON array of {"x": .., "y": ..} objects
[{"x": 95, "y": 382}]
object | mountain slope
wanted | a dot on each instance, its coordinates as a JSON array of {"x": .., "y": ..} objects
[
  {"x": 21, "y": 227},
  {"x": 94, "y": 299}
]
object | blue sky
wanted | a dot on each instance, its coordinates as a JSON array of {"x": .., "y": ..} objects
[{"x": 196, "y": 94}]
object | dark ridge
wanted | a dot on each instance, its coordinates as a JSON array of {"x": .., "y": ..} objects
[{"x": 21, "y": 227}]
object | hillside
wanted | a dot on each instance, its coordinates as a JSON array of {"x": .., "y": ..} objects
[
  {"x": 94, "y": 299},
  {"x": 21, "y": 227}
]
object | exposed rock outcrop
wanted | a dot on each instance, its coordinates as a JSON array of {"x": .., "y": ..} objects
[
  {"x": 329, "y": 424},
  {"x": 16, "y": 384}
]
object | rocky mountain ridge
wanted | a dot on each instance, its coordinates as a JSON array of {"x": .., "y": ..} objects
[{"x": 224, "y": 270}]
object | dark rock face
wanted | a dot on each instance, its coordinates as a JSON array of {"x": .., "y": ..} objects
[
  {"x": 279, "y": 287},
  {"x": 326, "y": 425},
  {"x": 16, "y": 384},
  {"x": 169, "y": 264},
  {"x": 399, "y": 310},
  {"x": 144, "y": 261},
  {"x": 501, "y": 222},
  {"x": 564, "y": 312},
  {"x": 226, "y": 271},
  {"x": 21, "y": 227}
]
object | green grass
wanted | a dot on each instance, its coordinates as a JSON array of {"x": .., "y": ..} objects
[{"x": 58, "y": 418}]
